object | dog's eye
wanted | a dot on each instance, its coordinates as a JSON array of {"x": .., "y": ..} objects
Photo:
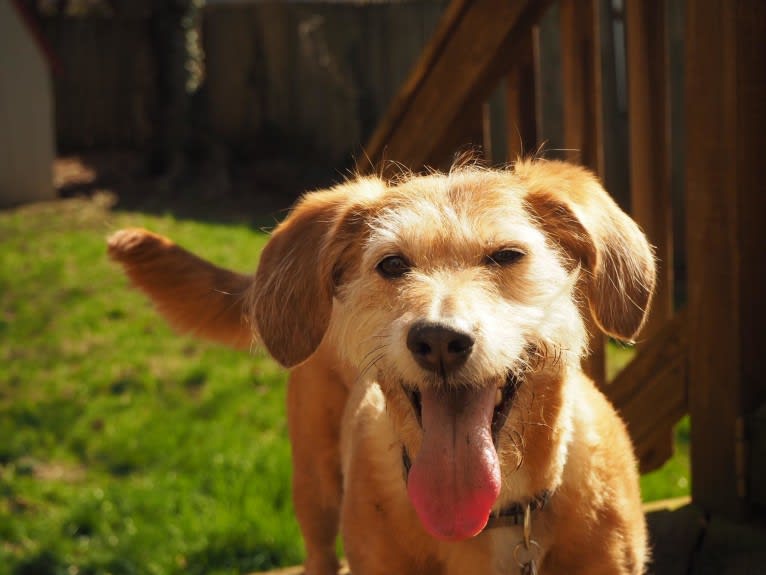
[
  {"x": 505, "y": 257},
  {"x": 393, "y": 267}
]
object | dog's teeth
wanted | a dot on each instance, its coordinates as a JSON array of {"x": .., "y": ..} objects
[{"x": 498, "y": 396}]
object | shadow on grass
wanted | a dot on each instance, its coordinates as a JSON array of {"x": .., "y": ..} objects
[
  {"x": 257, "y": 193},
  {"x": 46, "y": 562},
  {"x": 237, "y": 552}
]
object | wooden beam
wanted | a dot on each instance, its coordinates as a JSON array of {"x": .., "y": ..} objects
[
  {"x": 472, "y": 48},
  {"x": 376, "y": 146},
  {"x": 583, "y": 117},
  {"x": 650, "y": 189},
  {"x": 675, "y": 533},
  {"x": 654, "y": 451},
  {"x": 756, "y": 432},
  {"x": 581, "y": 79},
  {"x": 521, "y": 131},
  {"x": 298, "y": 570},
  {"x": 725, "y": 102},
  {"x": 651, "y": 392},
  {"x": 648, "y": 115}
]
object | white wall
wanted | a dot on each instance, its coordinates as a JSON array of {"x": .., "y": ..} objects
[{"x": 26, "y": 114}]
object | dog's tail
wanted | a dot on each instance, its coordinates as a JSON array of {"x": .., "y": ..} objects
[{"x": 194, "y": 295}]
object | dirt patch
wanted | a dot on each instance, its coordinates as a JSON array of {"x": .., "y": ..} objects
[{"x": 50, "y": 470}]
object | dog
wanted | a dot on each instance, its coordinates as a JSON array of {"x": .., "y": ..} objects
[{"x": 434, "y": 326}]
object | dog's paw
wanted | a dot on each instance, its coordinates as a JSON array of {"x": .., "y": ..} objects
[{"x": 133, "y": 243}]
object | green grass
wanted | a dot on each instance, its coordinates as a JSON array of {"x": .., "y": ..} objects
[
  {"x": 126, "y": 448},
  {"x": 672, "y": 479}
]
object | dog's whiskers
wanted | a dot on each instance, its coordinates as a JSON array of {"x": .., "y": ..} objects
[
  {"x": 536, "y": 423},
  {"x": 369, "y": 365},
  {"x": 517, "y": 442},
  {"x": 374, "y": 350}
]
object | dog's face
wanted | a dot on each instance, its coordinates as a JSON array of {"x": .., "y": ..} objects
[
  {"x": 457, "y": 295},
  {"x": 462, "y": 296},
  {"x": 456, "y": 284}
]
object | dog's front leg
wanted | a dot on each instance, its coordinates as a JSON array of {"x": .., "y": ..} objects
[{"x": 316, "y": 396}]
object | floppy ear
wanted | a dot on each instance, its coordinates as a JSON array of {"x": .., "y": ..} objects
[
  {"x": 301, "y": 266},
  {"x": 192, "y": 294},
  {"x": 581, "y": 217}
]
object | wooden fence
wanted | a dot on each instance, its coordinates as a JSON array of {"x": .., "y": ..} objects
[
  {"x": 311, "y": 76},
  {"x": 319, "y": 75},
  {"x": 700, "y": 359},
  {"x": 105, "y": 93}
]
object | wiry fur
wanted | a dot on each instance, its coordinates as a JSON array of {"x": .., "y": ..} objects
[{"x": 321, "y": 306}]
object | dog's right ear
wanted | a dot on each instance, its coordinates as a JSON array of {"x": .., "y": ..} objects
[
  {"x": 302, "y": 265},
  {"x": 618, "y": 262}
]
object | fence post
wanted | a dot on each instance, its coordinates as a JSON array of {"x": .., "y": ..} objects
[
  {"x": 650, "y": 190},
  {"x": 725, "y": 96},
  {"x": 583, "y": 116}
]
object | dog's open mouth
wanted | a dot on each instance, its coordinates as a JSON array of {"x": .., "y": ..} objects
[
  {"x": 504, "y": 395},
  {"x": 454, "y": 480}
]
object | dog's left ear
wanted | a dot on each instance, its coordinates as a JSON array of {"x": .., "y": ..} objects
[{"x": 581, "y": 217}]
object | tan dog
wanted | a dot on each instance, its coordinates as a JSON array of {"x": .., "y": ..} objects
[{"x": 435, "y": 330}]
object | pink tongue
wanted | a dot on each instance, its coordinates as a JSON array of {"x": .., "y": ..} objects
[{"x": 455, "y": 478}]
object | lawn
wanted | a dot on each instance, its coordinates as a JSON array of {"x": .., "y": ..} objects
[{"x": 126, "y": 448}]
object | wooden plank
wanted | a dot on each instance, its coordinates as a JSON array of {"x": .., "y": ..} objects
[
  {"x": 274, "y": 83},
  {"x": 375, "y": 147},
  {"x": 750, "y": 105},
  {"x": 374, "y": 94},
  {"x": 674, "y": 536},
  {"x": 581, "y": 79},
  {"x": 615, "y": 102},
  {"x": 583, "y": 121},
  {"x": 298, "y": 570},
  {"x": 730, "y": 547},
  {"x": 649, "y": 135},
  {"x": 756, "y": 432},
  {"x": 667, "y": 504},
  {"x": 648, "y": 112},
  {"x": 655, "y": 450},
  {"x": 388, "y": 65},
  {"x": 456, "y": 73},
  {"x": 549, "y": 94},
  {"x": 466, "y": 135},
  {"x": 496, "y": 134},
  {"x": 235, "y": 105},
  {"x": 651, "y": 392},
  {"x": 521, "y": 101},
  {"x": 725, "y": 94}
]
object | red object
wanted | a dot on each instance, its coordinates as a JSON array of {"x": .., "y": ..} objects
[{"x": 34, "y": 30}]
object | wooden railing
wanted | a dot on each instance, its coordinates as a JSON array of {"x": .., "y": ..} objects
[{"x": 702, "y": 359}]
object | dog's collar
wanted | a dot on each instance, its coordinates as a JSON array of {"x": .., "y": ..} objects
[{"x": 513, "y": 514}]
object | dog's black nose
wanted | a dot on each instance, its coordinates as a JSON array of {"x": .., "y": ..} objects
[{"x": 437, "y": 347}]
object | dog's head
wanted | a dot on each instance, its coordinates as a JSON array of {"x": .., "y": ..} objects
[{"x": 462, "y": 295}]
